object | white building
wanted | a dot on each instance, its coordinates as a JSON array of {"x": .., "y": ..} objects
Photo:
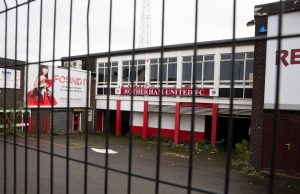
[{"x": 213, "y": 90}]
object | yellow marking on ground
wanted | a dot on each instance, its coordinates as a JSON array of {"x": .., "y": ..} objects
[{"x": 57, "y": 144}]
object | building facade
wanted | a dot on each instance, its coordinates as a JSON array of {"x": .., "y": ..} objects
[
  {"x": 267, "y": 55},
  {"x": 212, "y": 93}
]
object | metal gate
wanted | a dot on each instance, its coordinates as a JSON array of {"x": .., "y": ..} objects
[{"x": 57, "y": 119}]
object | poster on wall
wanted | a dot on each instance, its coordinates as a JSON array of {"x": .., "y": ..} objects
[
  {"x": 45, "y": 91},
  {"x": 10, "y": 78},
  {"x": 289, "y": 97}
]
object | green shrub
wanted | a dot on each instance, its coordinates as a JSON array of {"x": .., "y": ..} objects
[{"x": 241, "y": 162}]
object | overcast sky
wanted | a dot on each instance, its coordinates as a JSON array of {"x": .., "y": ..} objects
[{"x": 215, "y": 23}]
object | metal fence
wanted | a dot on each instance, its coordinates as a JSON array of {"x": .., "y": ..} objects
[{"x": 188, "y": 186}]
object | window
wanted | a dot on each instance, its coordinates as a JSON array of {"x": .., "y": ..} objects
[
  {"x": 169, "y": 71},
  {"x": 137, "y": 74},
  {"x": 104, "y": 77},
  {"x": 243, "y": 68},
  {"x": 243, "y": 75},
  {"x": 204, "y": 69},
  {"x": 103, "y": 73}
]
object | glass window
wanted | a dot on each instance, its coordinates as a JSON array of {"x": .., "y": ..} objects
[
  {"x": 141, "y": 73},
  {"x": 225, "y": 56},
  {"x": 209, "y": 69},
  {"x": 153, "y": 72},
  {"x": 169, "y": 71},
  {"x": 239, "y": 70},
  {"x": 208, "y": 57},
  {"x": 249, "y": 70},
  {"x": 126, "y": 72},
  {"x": 103, "y": 73},
  {"x": 164, "y": 73},
  {"x": 172, "y": 72},
  {"x": 187, "y": 59},
  {"x": 225, "y": 70},
  {"x": 114, "y": 74},
  {"x": 203, "y": 72},
  {"x": 187, "y": 71},
  {"x": 198, "y": 70},
  {"x": 239, "y": 55}
]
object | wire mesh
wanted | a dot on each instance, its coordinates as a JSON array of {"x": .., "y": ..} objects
[{"x": 109, "y": 54}]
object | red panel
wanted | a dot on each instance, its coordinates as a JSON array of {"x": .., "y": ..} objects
[
  {"x": 118, "y": 119},
  {"x": 177, "y": 123},
  {"x": 214, "y": 124},
  {"x": 168, "y": 133},
  {"x": 99, "y": 121},
  {"x": 145, "y": 120},
  {"x": 137, "y": 130},
  {"x": 165, "y": 133},
  {"x": 185, "y": 136}
]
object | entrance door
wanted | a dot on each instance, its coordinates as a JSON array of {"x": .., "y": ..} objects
[
  {"x": 295, "y": 147},
  {"x": 99, "y": 121},
  {"x": 76, "y": 121},
  {"x": 287, "y": 144}
]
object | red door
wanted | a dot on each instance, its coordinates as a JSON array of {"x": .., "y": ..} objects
[
  {"x": 99, "y": 121},
  {"x": 76, "y": 121},
  {"x": 287, "y": 144},
  {"x": 295, "y": 147}
]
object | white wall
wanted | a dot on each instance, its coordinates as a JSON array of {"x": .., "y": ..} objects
[
  {"x": 168, "y": 120},
  {"x": 290, "y": 79},
  {"x": 185, "y": 123},
  {"x": 138, "y": 119}
]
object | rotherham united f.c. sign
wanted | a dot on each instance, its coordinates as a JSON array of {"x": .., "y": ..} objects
[{"x": 143, "y": 91}]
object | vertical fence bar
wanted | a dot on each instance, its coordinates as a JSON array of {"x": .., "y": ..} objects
[
  {"x": 87, "y": 99},
  {"x": 15, "y": 100},
  {"x": 68, "y": 102},
  {"x": 4, "y": 106},
  {"x": 39, "y": 98},
  {"x": 277, "y": 95},
  {"x": 191, "y": 146},
  {"x": 107, "y": 123},
  {"x": 160, "y": 99},
  {"x": 231, "y": 100},
  {"x": 131, "y": 101},
  {"x": 52, "y": 101},
  {"x": 26, "y": 101}
]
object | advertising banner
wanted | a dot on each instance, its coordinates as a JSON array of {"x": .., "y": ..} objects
[
  {"x": 10, "y": 78},
  {"x": 44, "y": 91},
  {"x": 289, "y": 55}
]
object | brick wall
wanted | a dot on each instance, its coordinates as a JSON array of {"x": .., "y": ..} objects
[{"x": 258, "y": 95}]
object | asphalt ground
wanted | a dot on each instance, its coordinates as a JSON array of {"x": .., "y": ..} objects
[{"x": 208, "y": 168}]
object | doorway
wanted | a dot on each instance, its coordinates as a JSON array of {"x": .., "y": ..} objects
[
  {"x": 76, "y": 123},
  {"x": 99, "y": 121},
  {"x": 125, "y": 122},
  {"x": 287, "y": 144}
]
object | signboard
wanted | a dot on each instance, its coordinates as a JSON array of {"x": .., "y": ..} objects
[
  {"x": 42, "y": 95},
  {"x": 10, "y": 78},
  {"x": 289, "y": 97},
  {"x": 167, "y": 91}
]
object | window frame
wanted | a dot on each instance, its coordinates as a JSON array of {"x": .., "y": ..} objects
[{"x": 201, "y": 60}]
